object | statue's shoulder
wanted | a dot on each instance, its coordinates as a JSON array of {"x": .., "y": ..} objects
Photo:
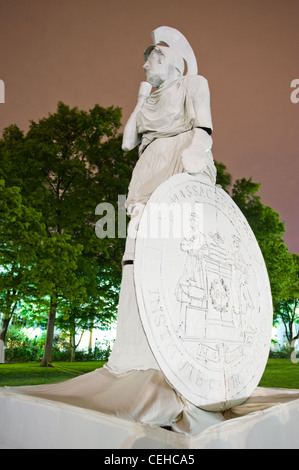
[
  {"x": 197, "y": 82},
  {"x": 197, "y": 85}
]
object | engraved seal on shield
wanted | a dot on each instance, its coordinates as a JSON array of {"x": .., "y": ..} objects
[{"x": 203, "y": 293}]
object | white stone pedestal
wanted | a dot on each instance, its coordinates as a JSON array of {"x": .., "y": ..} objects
[{"x": 33, "y": 423}]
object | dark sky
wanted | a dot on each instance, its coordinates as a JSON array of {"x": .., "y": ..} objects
[{"x": 85, "y": 52}]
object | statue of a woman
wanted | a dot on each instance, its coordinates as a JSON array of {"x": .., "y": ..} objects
[{"x": 171, "y": 125}]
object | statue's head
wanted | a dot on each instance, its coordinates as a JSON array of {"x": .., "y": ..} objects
[
  {"x": 165, "y": 60},
  {"x": 162, "y": 65}
]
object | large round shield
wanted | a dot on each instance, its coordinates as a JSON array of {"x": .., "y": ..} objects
[{"x": 203, "y": 293}]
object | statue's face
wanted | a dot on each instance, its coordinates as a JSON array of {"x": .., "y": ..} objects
[{"x": 156, "y": 68}]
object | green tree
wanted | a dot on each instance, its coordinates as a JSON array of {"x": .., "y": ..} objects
[
  {"x": 21, "y": 234},
  {"x": 58, "y": 280},
  {"x": 286, "y": 310},
  {"x": 99, "y": 308},
  {"x": 224, "y": 178},
  {"x": 67, "y": 164},
  {"x": 70, "y": 148},
  {"x": 269, "y": 231}
]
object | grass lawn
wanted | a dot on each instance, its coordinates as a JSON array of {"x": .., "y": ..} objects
[
  {"x": 280, "y": 373},
  {"x": 30, "y": 373}
]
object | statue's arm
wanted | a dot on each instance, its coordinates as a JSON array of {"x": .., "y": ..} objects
[
  {"x": 131, "y": 138},
  {"x": 197, "y": 158},
  {"x": 200, "y": 95}
]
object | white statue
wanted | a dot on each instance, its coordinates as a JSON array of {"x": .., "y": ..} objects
[
  {"x": 198, "y": 309},
  {"x": 172, "y": 125}
]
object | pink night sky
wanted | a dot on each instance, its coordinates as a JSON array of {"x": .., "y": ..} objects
[{"x": 84, "y": 52}]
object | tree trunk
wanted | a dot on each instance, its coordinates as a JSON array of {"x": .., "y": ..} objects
[
  {"x": 3, "y": 338},
  {"x": 90, "y": 340},
  {"x": 73, "y": 345},
  {"x": 47, "y": 356},
  {"x": 73, "y": 356}
]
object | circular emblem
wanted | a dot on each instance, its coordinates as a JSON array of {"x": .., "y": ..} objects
[
  {"x": 219, "y": 294},
  {"x": 203, "y": 293}
]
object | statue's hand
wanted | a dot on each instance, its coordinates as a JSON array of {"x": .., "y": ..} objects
[
  {"x": 197, "y": 158},
  {"x": 131, "y": 138},
  {"x": 144, "y": 91},
  {"x": 192, "y": 161},
  {"x": 194, "y": 157}
]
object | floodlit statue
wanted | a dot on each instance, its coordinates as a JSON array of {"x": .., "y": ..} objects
[
  {"x": 172, "y": 125},
  {"x": 198, "y": 306}
]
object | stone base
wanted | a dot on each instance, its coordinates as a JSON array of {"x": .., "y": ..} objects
[{"x": 34, "y": 423}]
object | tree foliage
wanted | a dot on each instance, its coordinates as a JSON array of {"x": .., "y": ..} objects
[
  {"x": 287, "y": 310},
  {"x": 269, "y": 231},
  {"x": 63, "y": 167},
  {"x": 21, "y": 233}
]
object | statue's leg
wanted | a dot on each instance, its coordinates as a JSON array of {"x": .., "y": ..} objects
[{"x": 135, "y": 211}]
